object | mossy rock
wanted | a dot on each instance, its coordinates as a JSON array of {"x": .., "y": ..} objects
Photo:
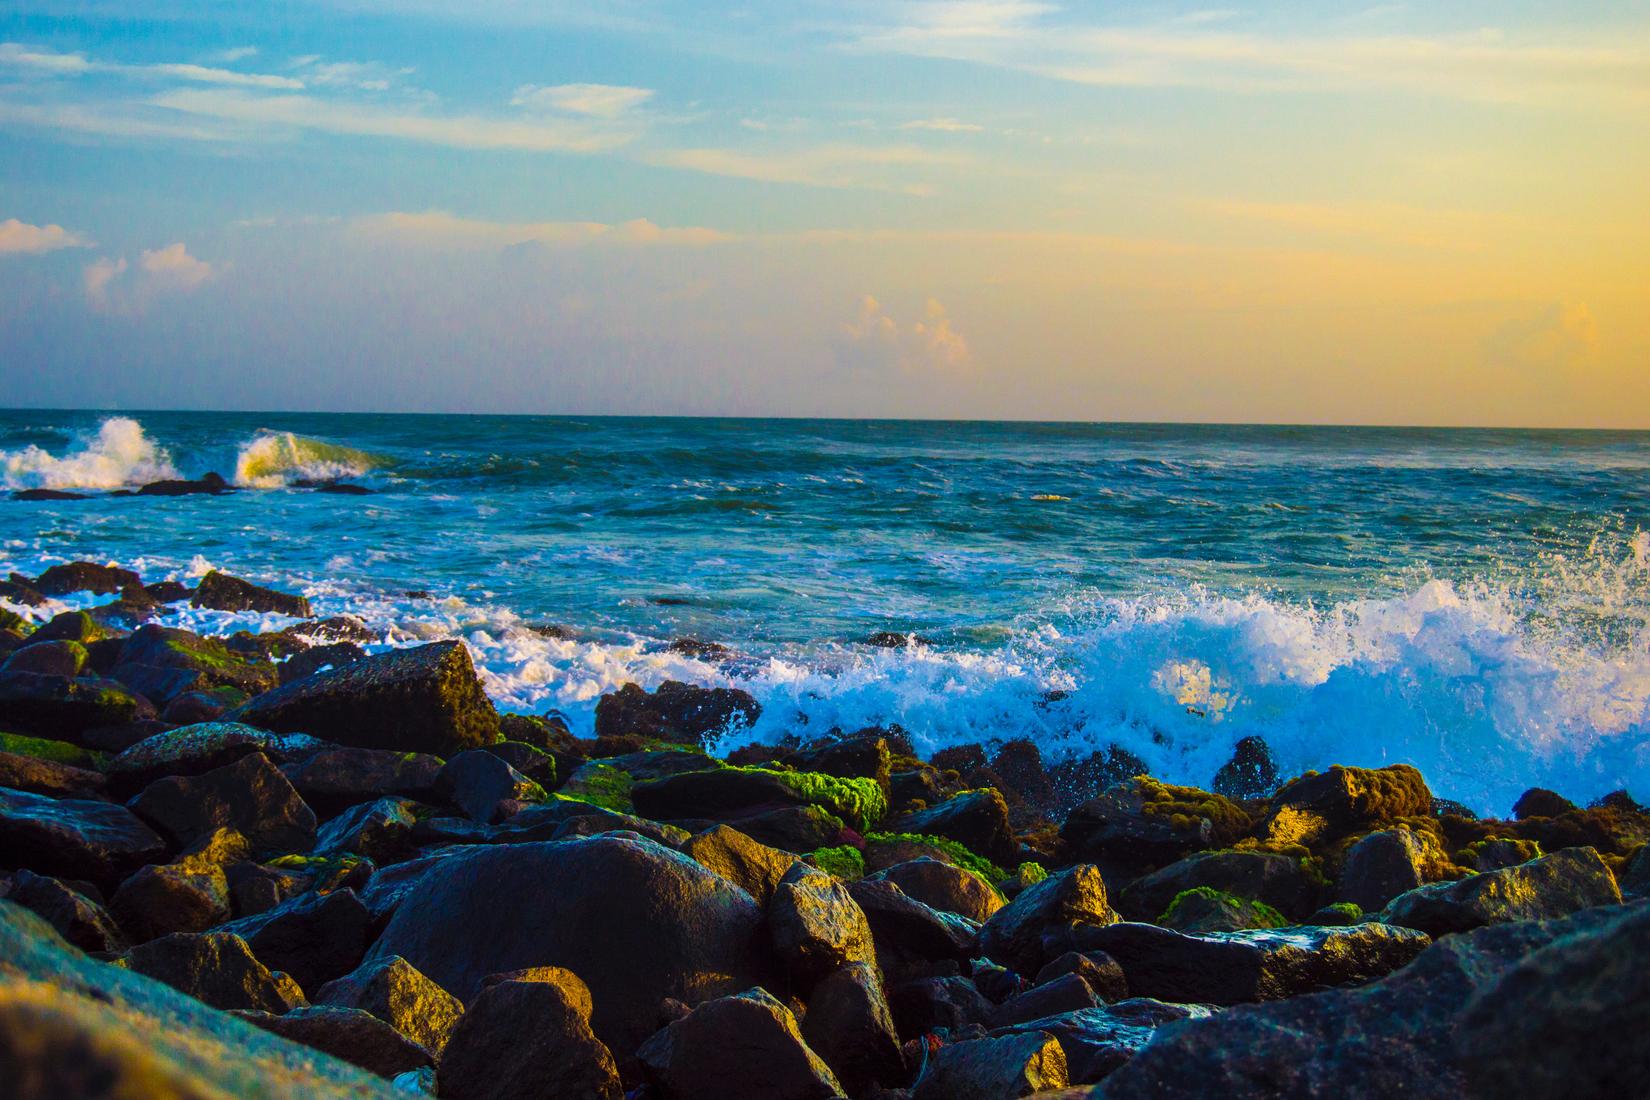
[
  {"x": 844, "y": 861},
  {"x": 887, "y": 849},
  {"x": 1205, "y": 909},
  {"x": 58, "y": 752},
  {"x": 600, "y": 785},
  {"x": 11, "y": 620},
  {"x": 727, "y": 793}
]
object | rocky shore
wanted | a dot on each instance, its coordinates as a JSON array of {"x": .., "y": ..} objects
[{"x": 277, "y": 865}]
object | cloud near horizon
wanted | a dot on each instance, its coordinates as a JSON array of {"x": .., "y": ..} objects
[
  {"x": 113, "y": 286},
  {"x": 20, "y": 237},
  {"x": 876, "y": 338}
]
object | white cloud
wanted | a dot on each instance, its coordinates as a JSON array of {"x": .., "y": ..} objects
[
  {"x": 115, "y": 286},
  {"x": 942, "y": 125},
  {"x": 877, "y": 339},
  {"x": 820, "y": 166},
  {"x": 61, "y": 64},
  {"x": 367, "y": 76},
  {"x": 174, "y": 268},
  {"x": 74, "y": 64},
  {"x": 239, "y": 53},
  {"x": 595, "y": 100},
  {"x": 21, "y": 237},
  {"x": 438, "y": 228}
]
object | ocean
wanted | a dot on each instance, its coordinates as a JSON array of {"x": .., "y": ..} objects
[{"x": 1474, "y": 602}]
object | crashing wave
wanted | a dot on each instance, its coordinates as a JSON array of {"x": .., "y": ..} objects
[
  {"x": 119, "y": 454},
  {"x": 272, "y": 459}
]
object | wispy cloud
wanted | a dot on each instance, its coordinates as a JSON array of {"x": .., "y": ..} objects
[
  {"x": 439, "y": 228},
  {"x": 21, "y": 237},
  {"x": 874, "y": 338},
  {"x": 598, "y": 100},
  {"x": 837, "y": 166},
  {"x": 74, "y": 64},
  {"x": 942, "y": 125}
]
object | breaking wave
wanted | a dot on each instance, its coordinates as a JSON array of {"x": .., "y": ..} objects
[
  {"x": 272, "y": 459},
  {"x": 118, "y": 454}
]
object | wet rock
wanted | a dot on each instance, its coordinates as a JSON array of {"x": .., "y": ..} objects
[
  {"x": 976, "y": 819},
  {"x": 942, "y": 886},
  {"x": 250, "y": 796},
  {"x": 1208, "y": 910},
  {"x": 1277, "y": 880},
  {"x": 393, "y": 990},
  {"x": 529, "y": 760},
  {"x": 196, "y": 707},
  {"x": 217, "y": 968},
  {"x": 1552, "y": 886},
  {"x": 74, "y": 1027},
  {"x": 924, "y": 784},
  {"x": 21, "y": 590},
  {"x": 994, "y": 1069},
  {"x": 48, "y": 659},
  {"x": 382, "y": 831},
  {"x": 70, "y": 626},
  {"x": 735, "y": 794},
  {"x": 910, "y": 937},
  {"x": 1098, "y": 1041},
  {"x": 1066, "y": 993},
  {"x": 84, "y": 576},
  {"x": 796, "y": 829},
  {"x": 1635, "y": 877},
  {"x": 641, "y": 922},
  {"x": 543, "y": 731},
  {"x": 849, "y": 1025},
  {"x": 180, "y": 897},
  {"x": 29, "y": 773},
  {"x": 484, "y": 786},
  {"x": 528, "y": 1034},
  {"x": 688, "y": 1059},
  {"x": 47, "y": 494},
  {"x": 1495, "y": 853},
  {"x": 1384, "y": 864},
  {"x": 1322, "y": 805},
  {"x": 79, "y": 919},
  {"x": 425, "y": 699},
  {"x": 754, "y": 868},
  {"x": 1139, "y": 825},
  {"x": 345, "y": 1033},
  {"x": 1403, "y": 1035},
  {"x": 924, "y": 1006},
  {"x": 859, "y": 757},
  {"x": 683, "y": 713},
  {"x": 1540, "y": 802},
  {"x": 74, "y": 838},
  {"x": 208, "y": 484},
  {"x": 66, "y": 707},
  {"x": 816, "y": 926},
  {"x": 317, "y": 658},
  {"x": 1227, "y": 968},
  {"x": 1019, "y": 764},
  {"x": 223, "y": 592},
  {"x": 314, "y": 937},
  {"x": 1019, "y": 935},
  {"x": 212, "y": 663},
  {"x": 200, "y": 748},
  {"x": 1251, "y": 773},
  {"x": 168, "y": 591},
  {"x": 334, "y": 779},
  {"x": 1097, "y": 968}
]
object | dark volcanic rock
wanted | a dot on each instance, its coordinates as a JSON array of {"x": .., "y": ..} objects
[
  {"x": 70, "y": 626},
  {"x": 76, "y": 917},
  {"x": 47, "y": 494},
  {"x": 1097, "y": 968},
  {"x": 1552, "y": 886},
  {"x": 30, "y": 773},
  {"x": 859, "y": 757},
  {"x": 848, "y": 1024},
  {"x": 1018, "y": 935},
  {"x": 754, "y": 868},
  {"x": 1540, "y": 802},
  {"x": 528, "y": 1034},
  {"x": 314, "y": 937},
  {"x": 1323, "y": 805},
  {"x": 357, "y": 1037},
  {"x": 200, "y": 748},
  {"x": 183, "y": 897},
  {"x": 250, "y": 796},
  {"x": 1404, "y": 1035},
  {"x": 484, "y": 786},
  {"x": 74, "y": 838},
  {"x": 226, "y": 593},
  {"x": 994, "y": 1069},
  {"x": 217, "y": 968},
  {"x": 335, "y": 779},
  {"x": 1251, "y": 773},
  {"x": 909, "y": 936},
  {"x": 1097, "y": 1041},
  {"x": 425, "y": 699},
  {"x": 84, "y": 576},
  {"x": 1277, "y": 880},
  {"x": 976, "y": 819},
  {"x": 212, "y": 662},
  {"x": 641, "y": 922},
  {"x": 1209, "y": 910},
  {"x": 679, "y": 712},
  {"x": 66, "y": 707},
  {"x": 691, "y": 1057},
  {"x": 816, "y": 926},
  {"x": 1384, "y": 864},
  {"x": 1227, "y": 968},
  {"x": 210, "y": 484},
  {"x": 942, "y": 886},
  {"x": 382, "y": 831},
  {"x": 1140, "y": 824},
  {"x": 310, "y": 661},
  {"x": 61, "y": 658},
  {"x": 736, "y": 793},
  {"x": 393, "y": 990},
  {"x": 923, "y": 1006},
  {"x": 1067, "y": 993}
]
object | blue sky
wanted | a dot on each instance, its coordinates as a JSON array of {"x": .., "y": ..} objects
[{"x": 1328, "y": 212}]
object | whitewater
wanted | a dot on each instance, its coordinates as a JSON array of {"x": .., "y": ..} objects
[{"x": 1475, "y": 603}]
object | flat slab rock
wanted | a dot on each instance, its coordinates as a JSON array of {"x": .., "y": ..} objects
[{"x": 1229, "y": 968}]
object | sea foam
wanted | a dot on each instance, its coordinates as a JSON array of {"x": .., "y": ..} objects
[{"x": 118, "y": 454}]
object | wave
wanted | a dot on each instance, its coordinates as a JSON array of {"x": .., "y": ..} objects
[
  {"x": 272, "y": 459},
  {"x": 118, "y": 454}
]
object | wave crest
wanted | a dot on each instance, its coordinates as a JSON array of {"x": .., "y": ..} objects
[
  {"x": 117, "y": 455},
  {"x": 272, "y": 459}
]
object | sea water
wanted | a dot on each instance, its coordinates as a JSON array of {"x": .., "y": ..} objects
[{"x": 1474, "y": 602}]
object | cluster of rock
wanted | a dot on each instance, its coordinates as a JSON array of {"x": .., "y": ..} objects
[
  {"x": 208, "y": 484},
  {"x": 275, "y": 865}
]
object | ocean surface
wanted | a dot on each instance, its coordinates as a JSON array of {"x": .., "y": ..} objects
[{"x": 1476, "y": 603}]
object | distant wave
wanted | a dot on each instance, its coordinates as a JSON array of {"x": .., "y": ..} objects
[
  {"x": 117, "y": 455},
  {"x": 272, "y": 459}
]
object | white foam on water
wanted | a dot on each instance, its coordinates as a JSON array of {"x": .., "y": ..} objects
[
  {"x": 270, "y": 460},
  {"x": 117, "y": 455}
]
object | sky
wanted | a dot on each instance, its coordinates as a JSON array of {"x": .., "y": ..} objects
[{"x": 1297, "y": 212}]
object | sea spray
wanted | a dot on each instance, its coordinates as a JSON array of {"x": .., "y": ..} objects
[{"x": 116, "y": 455}]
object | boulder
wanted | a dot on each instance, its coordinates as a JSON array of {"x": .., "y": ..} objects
[
  {"x": 864, "y": 756},
  {"x": 307, "y": 662},
  {"x": 1553, "y": 886},
  {"x": 1018, "y": 934},
  {"x": 1066, "y": 993},
  {"x": 816, "y": 926},
  {"x": 48, "y": 659},
  {"x": 217, "y": 968},
  {"x": 1139, "y": 825},
  {"x": 222, "y": 592},
  {"x": 1635, "y": 877},
  {"x": 994, "y": 1069},
  {"x": 1251, "y": 773},
  {"x": 335, "y": 779},
  {"x": 349, "y": 1034},
  {"x": 678, "y": 712},
  {"x": 381, "y": 831},
  {"x": 250, "y": 796},
  {"x": 70, "y": 626},
  {"x": 67, "y": 707},
  {"x": 484, "y": 786},
  {"x": 210, "y": 662},
  {"x": 1384, "y": 864},
  {"x": 78, "y": 918},
  {"x": 942, "y": 886},
  {"x": 528, "y": 1034},
  {"x": 1097, "y": 968},
  {"x": 74, "y": 1027},
  {"x": 30, "y": 773},
  {"x": 1205, "y": 909},
  {"x": 1320, "y": 806},
  {"x": 1098, "y": 1041},
  {"x": 909, "y": 936},
  {"x": 425, "y": 699},
  {"x": 84, "y": 576},
  {"x": 1540, "y": 802},
  {"x": 689, "y": 1058},
  {"x": 924, "y": 1006},
  {"x": 529, "y": 760},
  {"x": 208, "y": 484},
  {"x": 977, "y": 819},
  {"x": 849, "y": 1025},
  {"x": 314, "y": 937},
  {"x": 74, "y": 838},
  {"x": 642, "y": 923},
  {"x": 193, "y": 750},
  {"x": 393, "y": 990},
  {"x": 1278, "y": 880},
  {"x": 1404, "y": 1036},
  {"x": 180, "y": 897},
  {"x": 795, "y": 829},
  {"x": 734, "y": 794},
  {"x": 1228, "y": 968},
  {"x": 754, "y": 868}
]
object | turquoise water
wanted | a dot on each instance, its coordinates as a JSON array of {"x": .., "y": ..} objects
[{"x": 1475, "y": 602}]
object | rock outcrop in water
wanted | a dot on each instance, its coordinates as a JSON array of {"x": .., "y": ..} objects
[{"x": 355, "y": 879}]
